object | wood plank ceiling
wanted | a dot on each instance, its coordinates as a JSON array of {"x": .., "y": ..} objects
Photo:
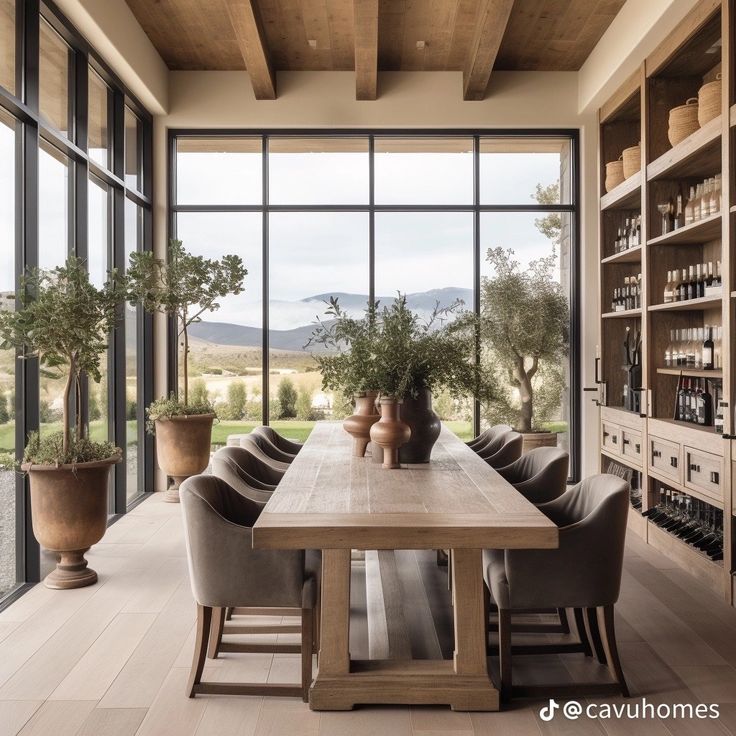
[{"x": 368, "y": 36}]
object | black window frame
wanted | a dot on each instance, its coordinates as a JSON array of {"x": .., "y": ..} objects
[
  {"x": 30, "y": 127},
  {"x": 477, "y": 208}
]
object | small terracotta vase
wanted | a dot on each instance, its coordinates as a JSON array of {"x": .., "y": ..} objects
[
  {"x": 389, "y": 432},
  {"x": 359, "y": 424}
]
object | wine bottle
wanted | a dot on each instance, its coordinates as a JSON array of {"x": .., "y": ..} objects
[
  {"x": 705, "y": 406},
  {"x": 692, "y": 284},
  {"x": 708, "y": 350}
]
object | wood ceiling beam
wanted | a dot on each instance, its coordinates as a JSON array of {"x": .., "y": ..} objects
[
  {"x": 493, "y": 17},
  {"x": 366, "y": 49},
  {"x": 248, "y": 26}
]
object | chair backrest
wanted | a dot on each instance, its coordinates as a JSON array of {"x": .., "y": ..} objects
[
  {"x": 264, "y": 451},
  {"x": 585, "y": 571},
  {"x": 489, "y": 438},
  {"x": 224, "y": 568},
  {"x": 540, "y": 475},
  {"x": 508, "y": 450},
  {"x": 244, "y": 472},
  {"x": 278, "y": 440}
]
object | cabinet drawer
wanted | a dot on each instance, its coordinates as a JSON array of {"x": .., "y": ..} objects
[
  {"x": 664, "y": 458},
  {"x": 631, "y": 444},
  {"x": 611, "y": 437},
  {"x": 704, "y": 472}
]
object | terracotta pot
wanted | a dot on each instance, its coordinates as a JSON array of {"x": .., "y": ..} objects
[
  {"x": 390, "y": 433},
  {"x": 359, "y": 424},
  {"x": 538, "y": 439},
  {"x": 183, "y": 448},
  {"x": 425, "y": 428},
  {"x": 69, "y": 514}
]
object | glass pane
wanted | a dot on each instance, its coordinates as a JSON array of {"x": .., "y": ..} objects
[
  {"x": 54, "y": 79},
  {"x": 424, "y": 170},
  {"x": 7, "y": 357},
  {"x": 525, "y": 171},
  {"x": 226, "y": 347},
  {"x": 98, "y": 264},
  {"x": 97, "y": 128},
  {"x": 7, "y": 45},
  {"x": 219, "y": 171},
  {"x": 428, "y": 257},
  {"x": 312, "y": 256},
  {"x": 318, "y": 171},
  {"x": 53, "y": 246},
  {"x": 133, "y": 389},
  {"x": 531, "y": 236},
  {"x": 132, "y": 150}
]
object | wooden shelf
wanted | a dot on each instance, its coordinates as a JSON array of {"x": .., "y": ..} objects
[
  {"x": 626, "y": 196},
  {"x": 698, "y": 155},
  {"x": 704, "y": 302},
  {"x": 689, "y": 426},
  {"x": 690, "y": 372},
  {"x": 701, "y": 231},
  {"x": 694, "y": 492},
  {"x": 626, "y": 314},
  {"x": 631, "y": 255}
]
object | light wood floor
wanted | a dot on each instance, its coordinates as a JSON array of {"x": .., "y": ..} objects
[{"x": 112, "y": 659}]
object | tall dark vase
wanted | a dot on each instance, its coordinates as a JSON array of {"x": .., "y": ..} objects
[{"x": 425, "y": 428}]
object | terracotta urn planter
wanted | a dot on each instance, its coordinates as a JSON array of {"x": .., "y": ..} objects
[
  {"x": 359, "y": 424},
  {"x": 183, "y": 448},
  {"x": 389, "y": 432},
  {"x": 425, "y": 428},
  {"x": 538, "y": 439},
  {"x": 69, "y": 515}
]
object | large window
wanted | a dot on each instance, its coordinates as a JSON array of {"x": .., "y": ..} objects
[
  {"x": 359, "y": 216},
  {"x": 70, "y": 183}
]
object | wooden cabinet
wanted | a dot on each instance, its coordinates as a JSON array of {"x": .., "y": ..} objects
[
  {"x": 664, "y": 459},
  {"x": 703, "y": 473},
  {"x": 631, "y": 446}
]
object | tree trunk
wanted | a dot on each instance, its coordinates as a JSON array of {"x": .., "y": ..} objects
[
  {"x": 78, "y": 385},
  {"x": 186, "y": 364},
  {"x": 526, "y": 394},
  {"x": 65, "y": 409}
]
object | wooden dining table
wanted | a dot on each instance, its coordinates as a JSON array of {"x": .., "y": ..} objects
[{"x": 333, "y": 501}]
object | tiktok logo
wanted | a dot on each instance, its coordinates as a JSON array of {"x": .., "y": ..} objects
[{"x": 548, "y": 713}]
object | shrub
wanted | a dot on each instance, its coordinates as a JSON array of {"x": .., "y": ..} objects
[{"x": 287, "y": 397}]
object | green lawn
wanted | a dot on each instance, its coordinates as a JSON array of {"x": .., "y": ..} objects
[{"x": 97, "y": 431}]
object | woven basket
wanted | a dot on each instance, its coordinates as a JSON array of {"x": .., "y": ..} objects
[
  {"x": 683, "y": 121},
  {"x": 709, "y": 101},
  {"x": 614, "y": 174},
  {"x": 632, "y": 160}
]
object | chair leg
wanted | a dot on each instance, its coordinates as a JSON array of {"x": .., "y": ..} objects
[
  {"x": 229, "y": 613},
  {"x": 307, "y": 651},
  {"x": 605, "y": 620},
  {"x": 582, "y": 634},
  {"x": 218, "y": 623},
  {"x": 504, "y": 652},
  {"x": 594, "y": 634},
  {"x": 204, "y": 619},
  {"x": 564, "y": 622}
]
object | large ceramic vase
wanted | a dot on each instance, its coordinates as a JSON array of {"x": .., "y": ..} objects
[
  {"x": 359, "y": 424},
  {"x": 389, "y": 432},
  {"x": 425, "y": 428},
  {"x": 69, "y": 514},
  {"x": 183, "y": 448}
]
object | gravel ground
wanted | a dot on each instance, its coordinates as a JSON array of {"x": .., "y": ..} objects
[{"x": 7, "y": 530}]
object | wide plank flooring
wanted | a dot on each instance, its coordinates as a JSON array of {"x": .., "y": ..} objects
[{"x": 112, "y": 659}]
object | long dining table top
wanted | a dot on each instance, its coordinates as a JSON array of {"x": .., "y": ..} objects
[{"x": 330, "y": 499}]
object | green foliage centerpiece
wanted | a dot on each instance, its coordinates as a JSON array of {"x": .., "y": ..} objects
[
  {"x": 65, "y": 323},
  {"x": 183, "y": 287}
]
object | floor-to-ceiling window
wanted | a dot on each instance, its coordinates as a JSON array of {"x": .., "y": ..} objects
[
  {"x": 75, "y": 179},
  {"x": 360, "y": 216}
]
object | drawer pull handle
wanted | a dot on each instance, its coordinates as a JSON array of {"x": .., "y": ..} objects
[
  {"x": 626, "y": 442},
  {"x": 673, "y": 462},
  {"x": 694, "y": 468},
  {"x": 614, "y": 439},
  {"x": 656, "y": 453},
  {"x": 606, "y": 434},
  {"x": 638, "y": 449},
  {"x": 714, "y": 477}
]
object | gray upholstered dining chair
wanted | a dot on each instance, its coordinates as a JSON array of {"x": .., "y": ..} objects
[
  {"x": 265, "y": 451},
  {"x": 288, "y": 446},
  {"x": 503, "y": 450},
  {"x": 244, "y": 472},
  {"x": 540, "y": 475},
  {"x": 583, "y": 573},
  {"x": 487, "y": 435},
  {"x": 226, "y": 571}
]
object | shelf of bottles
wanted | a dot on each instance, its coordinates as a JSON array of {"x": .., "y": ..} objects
[
  {"x": 632, "y": 476},
  {"x": 682, "y": 206},
  {"x": 696, "y": 399},
  {"x": 693, "y": 521},
  {"x": 695, "y": 281}
]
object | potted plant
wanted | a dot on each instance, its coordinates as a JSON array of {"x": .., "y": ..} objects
[
  {"x": 183, "y": 288},
  {"x": 525, "y": 336},
  {"x": 65, "y": 322}
]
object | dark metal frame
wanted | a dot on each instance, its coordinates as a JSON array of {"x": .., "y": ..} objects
[
  {"x": 30, "y": 128},
  {"x": 476, "y": 208}
]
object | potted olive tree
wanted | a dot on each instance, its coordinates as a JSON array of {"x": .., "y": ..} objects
[
  {"x": 525, "y": 337},
  {"x": 65, "y": 322},
  {"x": 183, "y": 287}
]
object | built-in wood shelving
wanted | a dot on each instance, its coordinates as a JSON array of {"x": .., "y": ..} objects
[
  {"x": 689, "y": 305},
  {"x": 630, "y": 255},
  {"x": 709, "y": 228},
  {"x": 626, "y": 196},
  {"x": 624, "y": 314},
  {"x": 690, "y": 372}
]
